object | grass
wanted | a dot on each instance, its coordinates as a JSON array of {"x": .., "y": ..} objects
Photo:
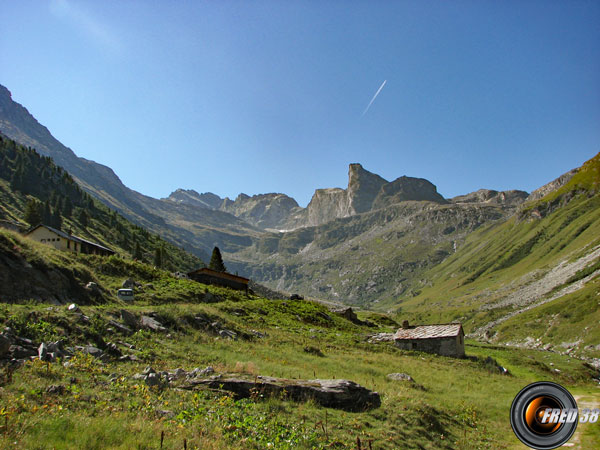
[
  {"x": 104, "y": 407},
  {"x": 455, "y": 403},
  {"x": 497, "y": 259}
]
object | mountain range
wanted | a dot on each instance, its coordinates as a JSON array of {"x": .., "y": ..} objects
[{"x": 380, "y": 244}]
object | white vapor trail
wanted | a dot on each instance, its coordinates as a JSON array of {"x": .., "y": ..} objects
[{"x": 374, "y": 97}]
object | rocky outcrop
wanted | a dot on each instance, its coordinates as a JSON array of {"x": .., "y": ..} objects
[
  {"x": 552, "y": 186},
  {"x": 340, "y": 394},
  {"x": 207, "y": 200},
  {"x": 363, "y": 188},
  {"x": 326, "y": 205},
  {"x": 405, "y": 189},
  {"x": 266, "y": 211},
  {"x": 512, "y": 198}
]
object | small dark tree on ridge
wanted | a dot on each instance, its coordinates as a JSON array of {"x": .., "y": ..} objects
[{"x": 216, "y": 261}]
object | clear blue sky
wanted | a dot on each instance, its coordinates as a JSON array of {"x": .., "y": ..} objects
[{"x": 268, "y": 96}]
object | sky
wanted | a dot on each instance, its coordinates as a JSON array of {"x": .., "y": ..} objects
[{"x": 280, "y": 96}]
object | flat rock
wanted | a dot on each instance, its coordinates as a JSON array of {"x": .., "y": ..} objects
[
  {"x": 123, "y": 329},
  {"x": 400, "y": 377},
  {"x": 340, "y": 394},
  {"x": 151, "y": 324}
]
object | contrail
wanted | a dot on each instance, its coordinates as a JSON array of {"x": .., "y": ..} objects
[{"x": 374, "y": 97}]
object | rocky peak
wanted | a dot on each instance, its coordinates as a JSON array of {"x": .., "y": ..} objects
[
  {"x": 206, "y": 200},
  {"x": 270, "y": 211},
  {"x": 363, "y": 187},
  {"x": 407, "y": 188}
]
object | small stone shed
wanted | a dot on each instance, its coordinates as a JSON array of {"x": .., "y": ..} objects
[
  {"x": 442, "y": 339},
  {"x": 209, "y": 276}
]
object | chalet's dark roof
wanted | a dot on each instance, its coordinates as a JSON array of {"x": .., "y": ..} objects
[
  {"x": 214, "y": 273},
  {"x": 429, "y": 331},
  {"x": 70, "y": 237}
]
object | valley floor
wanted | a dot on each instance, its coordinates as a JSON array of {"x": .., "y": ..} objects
[{"x": 99, "y": 403}]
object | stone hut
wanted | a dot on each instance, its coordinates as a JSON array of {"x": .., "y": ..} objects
[
  {"x": 442, "y": 339},
  {"x": 209, "y": 276}
]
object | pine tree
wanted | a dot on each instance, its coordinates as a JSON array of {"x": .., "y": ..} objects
[
  {"x": 32, "y": 213},
  {"x": 83, "y": 218},
  {"x": 216, "y": 261},
  {"x": 56, "y": 219},
  {"x": 137, "y": 251},
  {"x": 158, "y": 256},
  {"x": 67, "y": 207},
  {"x": 47, "y": 214}
]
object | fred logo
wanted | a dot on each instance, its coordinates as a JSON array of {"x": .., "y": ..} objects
[
  {"x": 544, "y": 415},
  {"x": 556, "y": 415}
]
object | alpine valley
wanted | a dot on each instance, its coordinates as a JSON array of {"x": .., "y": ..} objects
[{"x": 511, "y": 266}]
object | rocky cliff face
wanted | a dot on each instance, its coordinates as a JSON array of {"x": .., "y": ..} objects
[
  {"x": 326, "y": 205},
  {"x": 206, "y": 200},
  {"x": 509, "y": 199},
  {"x": 363, "y": 187},
  {"x": 552, "y": 186},
  {"x": 406, "y": 189},
  {"x": 266, "y": 211}
]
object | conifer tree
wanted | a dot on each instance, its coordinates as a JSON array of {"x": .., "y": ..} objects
[
  {"x": 67, "y": 207},
  {"x": 56, "y": 221},
  {"x": 158, "y": 256},
  {"x": 83, "y": 218},
  {"x": 137, "y": 251},
  {"x": 216, "y": 261},
  {"x": 47, "y": 214},
  {"x": 32, "y": 213}
]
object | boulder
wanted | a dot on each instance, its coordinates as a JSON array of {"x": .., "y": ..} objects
[
  {"x": 129, "y": 319},
  {"x": 400, "y": 377},
  {"x": 43, "y": 352},
  {"x": 340, "y": 394},
  {"x": 92, "y": 287},
  {"x": 197, "y": 372},
  {"x": 55, "y": 389},
  {"x": 228, "y": 334},
  {"x": 151, "y": 324},
  {"x": 73, "y": 307},
  {"x": 381, "y": 337},
  {"x": 128, "y": 284},
  {"x": 91, "y": 350},
  {"x": 123, "y": 329},
  {"x": 152, "y": 379},
  {"x": 347, "y": 313},
  {"x": 4, "y": 344}
]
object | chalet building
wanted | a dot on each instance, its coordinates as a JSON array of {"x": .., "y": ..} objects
[
  {"x": 445, "y": 339},
  {"x": 66, "y": 242},
  {"x": 209, "y": 276}
]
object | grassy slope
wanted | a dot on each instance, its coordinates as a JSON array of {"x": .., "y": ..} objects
[
  {"x": 103, "y": 407},
  {"x": 497, "y": 259},
  {"x": 105, "y": 226}
]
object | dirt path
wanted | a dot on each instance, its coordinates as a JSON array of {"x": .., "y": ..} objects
[{"x": 583, "y": 402}]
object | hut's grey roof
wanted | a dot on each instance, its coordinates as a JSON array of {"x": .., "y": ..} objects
[{"x": 429, "y": 331}]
